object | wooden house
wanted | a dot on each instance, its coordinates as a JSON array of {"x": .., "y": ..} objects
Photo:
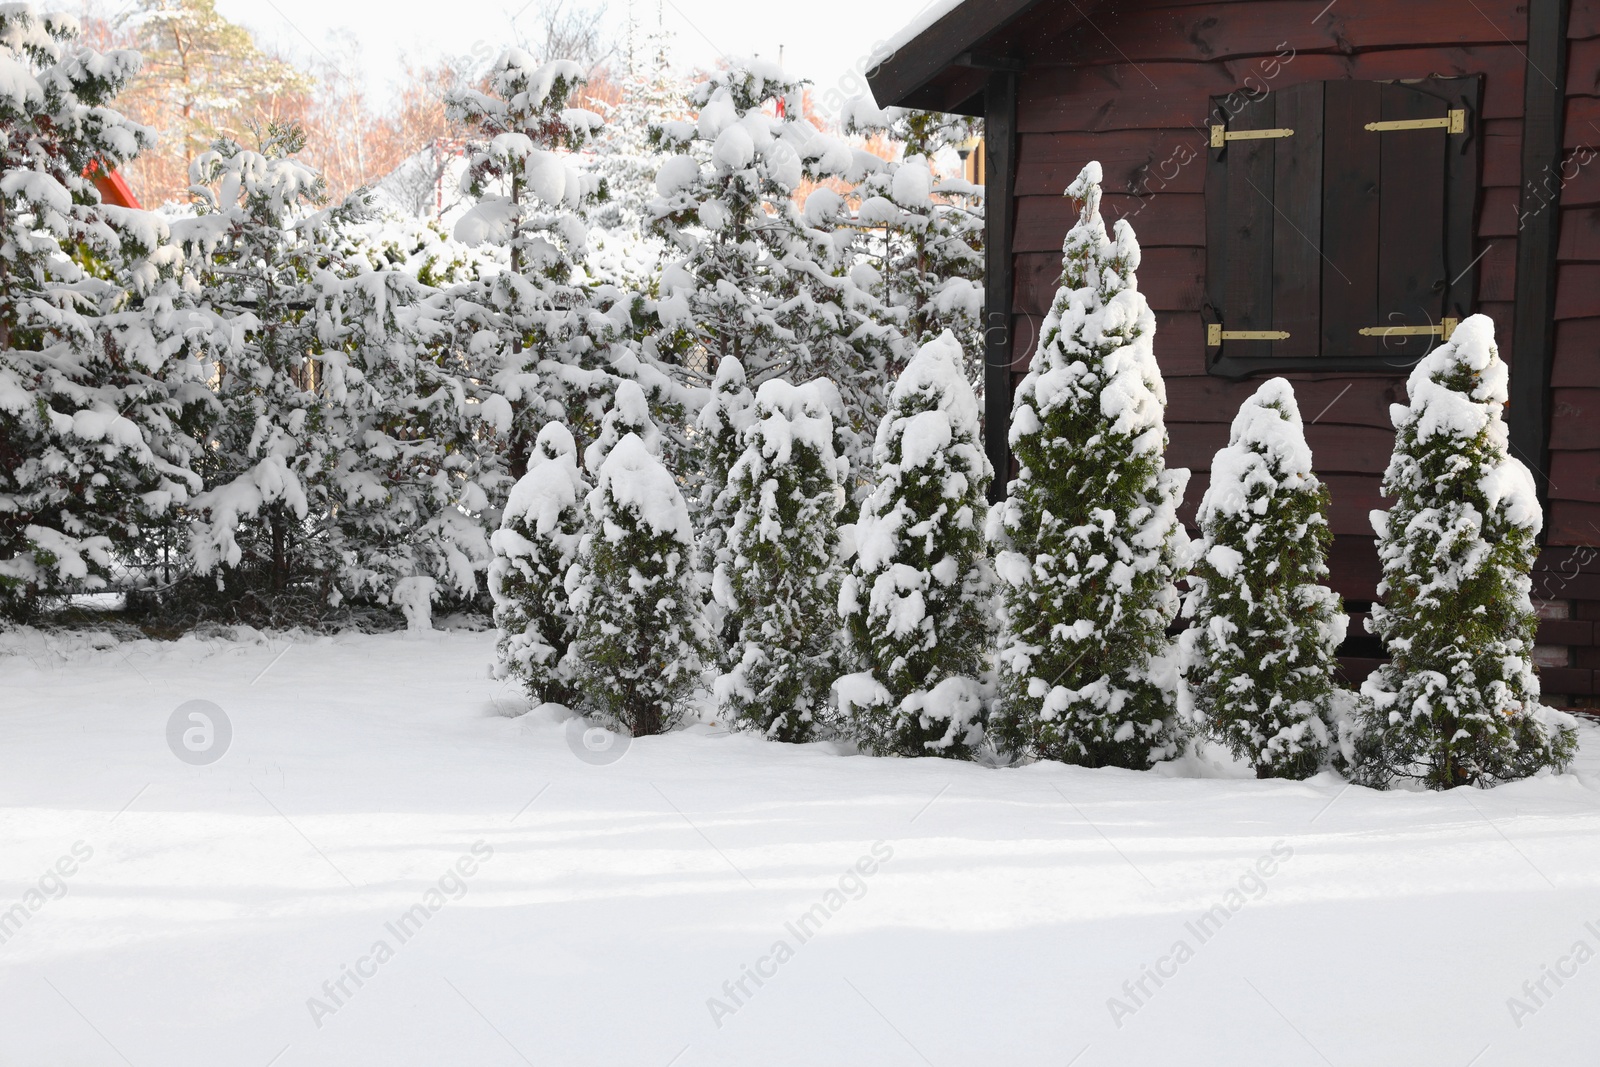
[{"x": 1322, "y": 190}]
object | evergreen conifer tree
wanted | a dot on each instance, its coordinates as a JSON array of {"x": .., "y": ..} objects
[
  {"x": 720, "y": 424},
  {"x": 1259, "y": 655},
  {"x": 923, "y": 230},
  {"x": 83, "y": 384},
  {"x": 917, "y": 602},
  {"x": 779, "y": 586},
  {"x": 640, "y": 631},
  {"x": 756, "y": 278},
  {"x": 535, "y": 547},
  {"x": 1089, "y": 530},
  {"x": 1458, "y": 703}
]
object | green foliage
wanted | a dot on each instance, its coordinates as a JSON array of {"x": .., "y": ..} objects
[
  {"x": 1458, "y": 703},
  {"x": 917, "y": 603},
  {"x": 1259, "y": 655},
  {"x": 1089, "y": 530},
  {"x": 779, "y": 587},
  {"x": 641, "y": 635}
]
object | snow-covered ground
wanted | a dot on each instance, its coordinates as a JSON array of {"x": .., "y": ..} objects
[{"x": 576, "y": 911}]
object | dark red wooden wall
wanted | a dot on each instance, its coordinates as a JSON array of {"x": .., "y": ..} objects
[{"x": 1133, "y": 91}]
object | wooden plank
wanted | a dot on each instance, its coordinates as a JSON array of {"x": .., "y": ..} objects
[
  {"x": 1498, "y": 216},
  {"x": 1411, "y": 199},
  {"x": 1354, "y": 497},
  {"x": 1584, "y": 21},
  {"x": 1170, "y": 278},
  {"x": 1575, "y": 475},
  {"x": 1577, "y": 292},
  {"x": 1344, "y": 400},
  {"x": 1582, "y": 126},
  {"x": 1351, "y": 215},
  {"x": 1574, "y": 419},
  {"x": 1502, "y": 153},
  {"x": 1247, "y": 236},
  {"x": 1120, "y": 96},
  {"x": 1000, "y": 167},
  {"x": 1497, "y": 272},
  {"x": 1583, "y": 64},
  {"x": 1353, "y": 568},
  {"x": 1297, "y": 231},
  {"x": 1167, "y": 220},
  {"x": 1192, "y": 444},
  {"x": 1144, "y": 34},
  {"x": 1180, "y": 344},
  {"x": 1577, "y": 362},
  {"x": 1582, "y": 187},
  {"x": 1570, "y": 522},
  {"x": 1580, "y": 235}
]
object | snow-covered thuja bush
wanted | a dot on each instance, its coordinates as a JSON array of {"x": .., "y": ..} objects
[
  {"x": 719, "y": 425},
  {"x": 779, "y": 586},
  {"x": 754, "y": 278},
  {"x": 918, "y": 599},
  {"x": 923, "y": 230},
  {"x": 535, "y": 547},
  {"x": 1458, "y": 703},
  {"x": 1259, "y": 655},
  {"x": 641, "y": 634},
  {"x": 1089, "y": 534},
  {"x": 78, "y": 476}
]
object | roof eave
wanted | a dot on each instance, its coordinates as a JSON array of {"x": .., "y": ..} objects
[{"x": 936, "y": 70}]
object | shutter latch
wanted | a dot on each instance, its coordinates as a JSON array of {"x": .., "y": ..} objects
[
  {"x": 1221, "y": 135},
  {"x": 1442, "y": 330},
  {"x": 1215, "y": 335},
  {"x": 1455, "y": 122}
]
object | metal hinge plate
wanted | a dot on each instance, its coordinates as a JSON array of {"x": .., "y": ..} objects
[
  {"x": 1221, "y": 135},
  {"x": 1454, "y": 122},
  {"x": 1442, "y": 330},
  {"x": 1215, "y": 335}
]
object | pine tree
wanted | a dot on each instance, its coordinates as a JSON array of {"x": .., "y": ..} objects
[
  {"x": 923, "y": 230},
  {"x": 1259, "y": 655},
  {"x": 82, "y": 388},
  {"x": 1089, "y": 530},
  {"x": 918, "y": 599},
  {"x": 551, "y": 339},
  {"x": 780, "y": 586},
  {"x": 757, "y": 279},
  {"x": 259, "y": 250},
  {"x": 641, "y": 634},
  {"x": 1458, "y": 703},
  {"x": 535, "y": 547}
]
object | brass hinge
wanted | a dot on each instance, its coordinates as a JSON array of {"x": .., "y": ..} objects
[
  {"x": 1443, "y": 330},
  {"x": 1454, "y": 122},
  {"x": 1215, "y": 335},
  {"x": 1221, "y": 135}
]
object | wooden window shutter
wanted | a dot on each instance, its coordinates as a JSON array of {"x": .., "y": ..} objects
[{"x": 1360, "y": 219}]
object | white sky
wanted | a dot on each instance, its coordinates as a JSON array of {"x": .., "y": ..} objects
[{"x": 823, "y": 40}]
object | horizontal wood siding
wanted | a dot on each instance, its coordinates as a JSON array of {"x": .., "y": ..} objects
[{"x": 1134, "y": 95}]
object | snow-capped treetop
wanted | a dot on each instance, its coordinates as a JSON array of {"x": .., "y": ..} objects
[
  {"x": 787, "y": 415},
  {"x": 1460, "y": 390},
  {"x": 1266, "y": 452},
  {"x": 1099, "y": 309},
  {"x": 935, "y": 373},
  {"x": 629, "y": 413},
  {"x": 635, "y": 479},
  {"x": 553, "y": 482}
]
